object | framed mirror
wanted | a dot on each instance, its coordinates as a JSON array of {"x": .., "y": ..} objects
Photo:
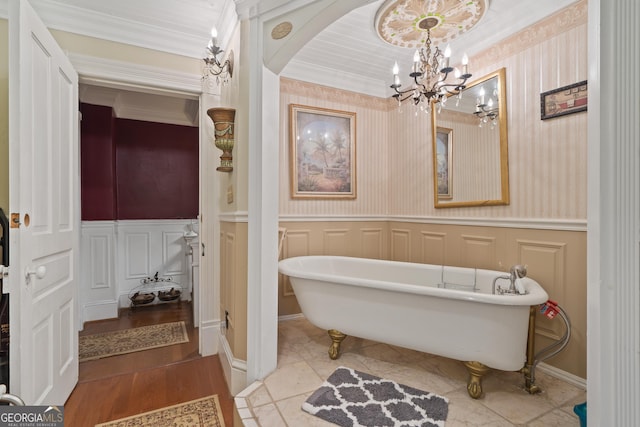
[{"x": 470, "y": 153}]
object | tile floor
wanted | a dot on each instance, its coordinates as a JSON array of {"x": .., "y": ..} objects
[{"x": 303, "y": 364}]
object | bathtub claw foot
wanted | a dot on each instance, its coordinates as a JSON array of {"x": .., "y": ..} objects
[
  {"x": 337, "y": 337},
  {"x": 476, "y": 371}
]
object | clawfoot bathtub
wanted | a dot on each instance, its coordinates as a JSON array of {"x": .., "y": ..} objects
[{"x": 446, "y": 311}]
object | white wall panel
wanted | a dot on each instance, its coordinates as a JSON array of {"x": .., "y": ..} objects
[
  {"x": 117, "y": 255},
  {"x": 136, "y": 255},
  {"x": 99, "y": 257}
]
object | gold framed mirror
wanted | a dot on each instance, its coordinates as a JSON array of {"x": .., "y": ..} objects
[{"x": 470, "y": 145}]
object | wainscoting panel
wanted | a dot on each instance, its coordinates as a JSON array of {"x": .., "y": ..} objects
[
  {"x": 174, "y": 255},
  {"x": 372, "y": 243},
  {"x": 98, "y": 291},
  {"x": 546, "y": 262},
  {"x": 400, "y": 245},
  {"x": 479, "y": 251},
  {"x": 99, "y": 260},
  {"x": 336, "y": 241},
  {"x": 116, "y": 255},
  {"x": 297, "y": 243},
  {"x": 433, "y": 247},
  {"x": 136, "y": 255}
]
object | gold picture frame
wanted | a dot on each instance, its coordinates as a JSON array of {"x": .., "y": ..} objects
[
  {"x": 444, "y": 161},
  {"x": 322, "y": 151}
]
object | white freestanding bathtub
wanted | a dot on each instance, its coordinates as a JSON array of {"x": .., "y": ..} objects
[{"x": 442, "y": 310}]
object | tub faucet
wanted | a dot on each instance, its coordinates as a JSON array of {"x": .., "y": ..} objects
[{"x": 518, "y": 271}]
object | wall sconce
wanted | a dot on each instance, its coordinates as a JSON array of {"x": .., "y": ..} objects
[
  {"x": 212, "y": 67},
  {"x": 223, "y": 123}
]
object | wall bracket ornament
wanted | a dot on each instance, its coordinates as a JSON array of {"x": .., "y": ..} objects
[{"x": 223, "y": 124}]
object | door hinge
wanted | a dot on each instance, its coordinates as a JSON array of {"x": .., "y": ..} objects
[{"x": 15, "y": 220}]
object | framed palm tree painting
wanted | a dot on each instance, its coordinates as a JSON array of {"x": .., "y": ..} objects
[{"x": 322, "y": 151}]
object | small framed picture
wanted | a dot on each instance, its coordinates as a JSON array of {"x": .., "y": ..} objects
[{"x": 564, "y": 100}]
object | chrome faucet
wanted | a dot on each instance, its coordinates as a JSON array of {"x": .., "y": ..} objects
[{"x": 516, "y": 272}]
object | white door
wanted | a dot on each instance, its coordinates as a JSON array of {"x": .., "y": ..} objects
[{"x": 44, "y": 191}]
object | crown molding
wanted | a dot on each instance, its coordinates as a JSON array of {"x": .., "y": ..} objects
[
  {"x": 334, "y": 78},
  {"x": 125, "y": 75}
]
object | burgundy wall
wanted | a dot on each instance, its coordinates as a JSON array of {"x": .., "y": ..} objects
[
  {"x": 97, "y": 163},
  {"x": 150, "y": 170},
  {"x": 157, "y": 170}
]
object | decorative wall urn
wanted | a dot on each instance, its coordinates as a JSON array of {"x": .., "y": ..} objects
[{"x": 223, "y": 124}]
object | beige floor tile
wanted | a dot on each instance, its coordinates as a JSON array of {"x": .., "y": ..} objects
[
  {"x": 557, "y": 391},
  {"x": 556, "y": 418},
  {"x": 516, "y": 406},
  {"x": 303, "y": 364},
  {"x": 421, "y": 379},
  {"x": 324, "y": 366},
  {"x": 467, "y": 412},
  {"x": 259, "y": 397},
  {"x": 291, "y": 380},
  {"x": 294, "y": 416},
  {"x": 268, "y": 416}
]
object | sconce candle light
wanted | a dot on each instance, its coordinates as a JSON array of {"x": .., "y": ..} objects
[
  {"x": 212, "y": 66},
  {"x": 223, "y": 123}
]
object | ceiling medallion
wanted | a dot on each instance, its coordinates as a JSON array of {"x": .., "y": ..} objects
[
  {"x": 281, "y": 30},
  {"x": 405, "y": 23}
]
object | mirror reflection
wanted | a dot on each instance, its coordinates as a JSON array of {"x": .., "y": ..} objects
[{"x": 470, "y": 146}]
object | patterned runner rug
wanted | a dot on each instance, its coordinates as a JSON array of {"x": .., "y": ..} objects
[
  {"x": 354, "y": 399},
  {"x": 203, "y": 412},
  {"x": 107, "y": 344}
]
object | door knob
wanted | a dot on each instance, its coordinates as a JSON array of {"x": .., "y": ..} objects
[{"x": 39, "y": 272}]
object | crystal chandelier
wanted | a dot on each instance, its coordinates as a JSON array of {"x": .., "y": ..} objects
[
  {"x": 486, "y": 111},
  {"x": 429, "y": 73},
  {"x": 212, "y": 66}
]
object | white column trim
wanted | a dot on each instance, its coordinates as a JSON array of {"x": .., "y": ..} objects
[{"x": 613, "y": 242}]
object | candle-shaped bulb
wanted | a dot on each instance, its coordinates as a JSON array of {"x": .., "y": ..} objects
[
  {"x": 447, "y": 55},
  {"x": 456, "y": 73},
  {"x": 416, "y": 56},
  {"x": 396, "y": 80},
  {"x": 465, "y": 64},
  {"x": 490, "y": 102},
  {"x": 214, "y": 32},
  {"x": 482, "y": 95},
  {"x": 395, "y": 68}
]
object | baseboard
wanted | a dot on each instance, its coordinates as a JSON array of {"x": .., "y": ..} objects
[
  {"x": 290, "y": 317},
  {"x": 209, "y": 341},
  {"x": 100, "y": 310},
  {"x": 235, "y": 370},
  {"x": 563, "y": 375}
]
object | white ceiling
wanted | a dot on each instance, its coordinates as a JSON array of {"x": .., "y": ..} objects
[{"x": 347, "y": 54}]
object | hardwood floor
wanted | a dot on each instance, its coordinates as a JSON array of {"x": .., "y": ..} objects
[{"x": 121, "y": 386}]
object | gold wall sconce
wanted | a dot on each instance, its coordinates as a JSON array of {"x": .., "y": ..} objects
[{"x": 223, "y": 123}]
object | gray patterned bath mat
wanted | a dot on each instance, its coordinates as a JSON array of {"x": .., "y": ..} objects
[{"x": 350, "y": 398}]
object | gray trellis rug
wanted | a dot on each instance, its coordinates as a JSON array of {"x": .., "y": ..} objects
[{"x": 350, "y": 398}]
